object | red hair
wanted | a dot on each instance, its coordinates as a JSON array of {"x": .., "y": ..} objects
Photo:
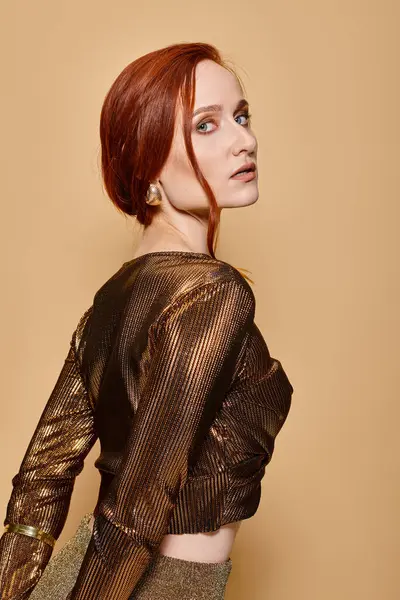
[{"x": 137, "y": 127}]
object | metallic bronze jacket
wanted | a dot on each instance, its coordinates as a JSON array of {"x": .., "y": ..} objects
[{"x": 169, "y": 370}]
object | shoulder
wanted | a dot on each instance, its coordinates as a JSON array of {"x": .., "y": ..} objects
[{"x": 217, "y": 287}]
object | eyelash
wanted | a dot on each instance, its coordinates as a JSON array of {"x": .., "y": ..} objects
[{"x": 244, "y": 114}]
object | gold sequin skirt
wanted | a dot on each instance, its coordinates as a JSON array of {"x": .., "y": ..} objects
[{"x": 167, "y": 577}]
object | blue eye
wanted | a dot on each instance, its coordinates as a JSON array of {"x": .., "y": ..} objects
[
  {"x": 201, "y": 124},
  {"x": 247, "y": 115}
]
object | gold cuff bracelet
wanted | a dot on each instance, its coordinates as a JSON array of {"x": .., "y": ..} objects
[{"x": 32, "y": 532}]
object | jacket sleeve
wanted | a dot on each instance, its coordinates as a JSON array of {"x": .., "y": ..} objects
[
  {"x": 193, "y": 349},
  {"x": 43, "y": 486}
]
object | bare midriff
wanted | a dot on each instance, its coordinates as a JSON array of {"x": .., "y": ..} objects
[{"x": 214, "y": 546}]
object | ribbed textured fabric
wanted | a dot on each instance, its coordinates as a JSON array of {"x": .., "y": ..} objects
[{"x": 169, "y": 370}]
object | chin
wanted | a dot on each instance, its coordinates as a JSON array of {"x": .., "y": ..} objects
[{"x": 245, "y": 200}]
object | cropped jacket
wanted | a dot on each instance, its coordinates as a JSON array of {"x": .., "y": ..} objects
[{"x": 168, "y": 369}]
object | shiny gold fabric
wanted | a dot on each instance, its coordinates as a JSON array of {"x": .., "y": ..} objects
[
  {"x": 60, "y": 575},
  {"x": 165, "y": 577},
  {"x": 168, "y": 368}
]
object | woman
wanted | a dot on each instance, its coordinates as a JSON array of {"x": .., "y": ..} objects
[{"x": 166, "y": 367}]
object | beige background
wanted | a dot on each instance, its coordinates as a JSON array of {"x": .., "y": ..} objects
[{"x": 322, "y": 244}]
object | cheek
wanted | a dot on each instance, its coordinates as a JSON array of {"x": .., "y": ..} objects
[
  {"x": 210, "y": 159},
  {"x": 177, "y": 166},
  {"x": 180, "y": 182}
]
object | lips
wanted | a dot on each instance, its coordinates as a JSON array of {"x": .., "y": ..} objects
[{"x": 250, "y": 166}]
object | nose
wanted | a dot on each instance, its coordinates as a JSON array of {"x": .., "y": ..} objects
[{"x": 244, "y": 140}]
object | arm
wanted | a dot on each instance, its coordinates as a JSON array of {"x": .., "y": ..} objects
[
  {"x": 194, "y": 348},
  {"x": 43, "y": 486}
]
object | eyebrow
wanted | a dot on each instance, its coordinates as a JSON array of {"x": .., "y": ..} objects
[{"x": 218, "y": 107}]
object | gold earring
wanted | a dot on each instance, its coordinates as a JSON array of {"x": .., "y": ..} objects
[{"x": 153, "y": 196}]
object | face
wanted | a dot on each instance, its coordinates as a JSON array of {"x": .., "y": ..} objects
[{"x": 222, "y": 141}]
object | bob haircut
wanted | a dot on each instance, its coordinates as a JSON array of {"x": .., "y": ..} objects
[{"x": 137, "y": 127}]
